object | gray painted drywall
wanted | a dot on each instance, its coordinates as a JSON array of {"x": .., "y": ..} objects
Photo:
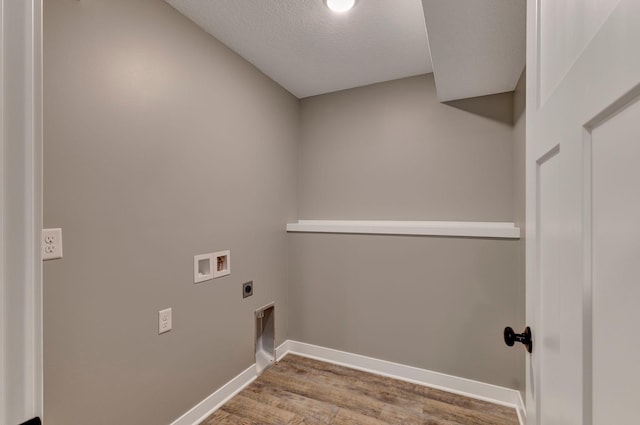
[
  {"x": 160, "y": 143},
  {"x": 434, "y": 303},
  {"x": 392, "y": 151}
]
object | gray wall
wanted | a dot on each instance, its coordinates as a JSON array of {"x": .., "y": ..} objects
[
  {"x": 392, "y": 151},
  {"x": 159, "y": 144}
]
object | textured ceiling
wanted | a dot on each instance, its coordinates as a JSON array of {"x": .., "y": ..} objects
[
  {"x": 310, "y": 50},
  {"x": 477, "y": 47}
]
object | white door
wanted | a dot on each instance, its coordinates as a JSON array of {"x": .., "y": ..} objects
[{"x": 583, "y": 205}]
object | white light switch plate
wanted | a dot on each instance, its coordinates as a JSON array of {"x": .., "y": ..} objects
[
  {"x": 51, "y": 244},
  {"x": 164, "y": 321}
]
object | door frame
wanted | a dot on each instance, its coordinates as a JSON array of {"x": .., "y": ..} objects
[
  {"x": 21, "y": 377},
  {"x": 531, "y": 194}
]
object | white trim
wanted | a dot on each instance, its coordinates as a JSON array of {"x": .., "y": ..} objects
[
  {"x": 521, "y": 410},
  {"x": 212, "y": 403},
  {"x": 587, "y": 276},
  {"x": 21, "y": 140},
  {"x": 418, "y": 228},
  {"x": 3, "y": 354},
  {"x": 532, "y": 154},
  {"x": 452, "y": 384},
  {"x": 283, "y": 349}
]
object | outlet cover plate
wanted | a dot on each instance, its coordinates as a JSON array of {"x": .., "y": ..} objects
[
  {"x": 164, "y": 321},
  {"x": 51, "y": 244},
  {"x": 247, "y": 289}
]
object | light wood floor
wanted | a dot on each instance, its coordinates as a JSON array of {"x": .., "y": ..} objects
[{"x": 298, "y": 390}]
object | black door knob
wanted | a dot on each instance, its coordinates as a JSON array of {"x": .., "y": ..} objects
[{"x": 510, "y": 338}]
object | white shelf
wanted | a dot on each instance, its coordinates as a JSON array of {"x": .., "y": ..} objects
[{"x": 420, "y": 228}]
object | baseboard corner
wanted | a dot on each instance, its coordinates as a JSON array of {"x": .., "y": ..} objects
[
  {"x": 213, "y": 402},
  {"x": 454, "y": 384}
]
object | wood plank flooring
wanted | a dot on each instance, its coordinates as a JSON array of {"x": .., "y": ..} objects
[{"x": 298, "y": 390}]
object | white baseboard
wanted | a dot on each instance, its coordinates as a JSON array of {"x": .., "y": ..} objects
[
  {"x": 212, "y": 403},
  {"x": 466, "y": 387}
]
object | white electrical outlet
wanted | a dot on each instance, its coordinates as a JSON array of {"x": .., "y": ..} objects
[
  {"x": 164, "y": 321},
  {"x": 51, "y": 244}
]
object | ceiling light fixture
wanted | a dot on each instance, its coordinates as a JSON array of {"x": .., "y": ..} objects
[{"x": 340, "y": 6}]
